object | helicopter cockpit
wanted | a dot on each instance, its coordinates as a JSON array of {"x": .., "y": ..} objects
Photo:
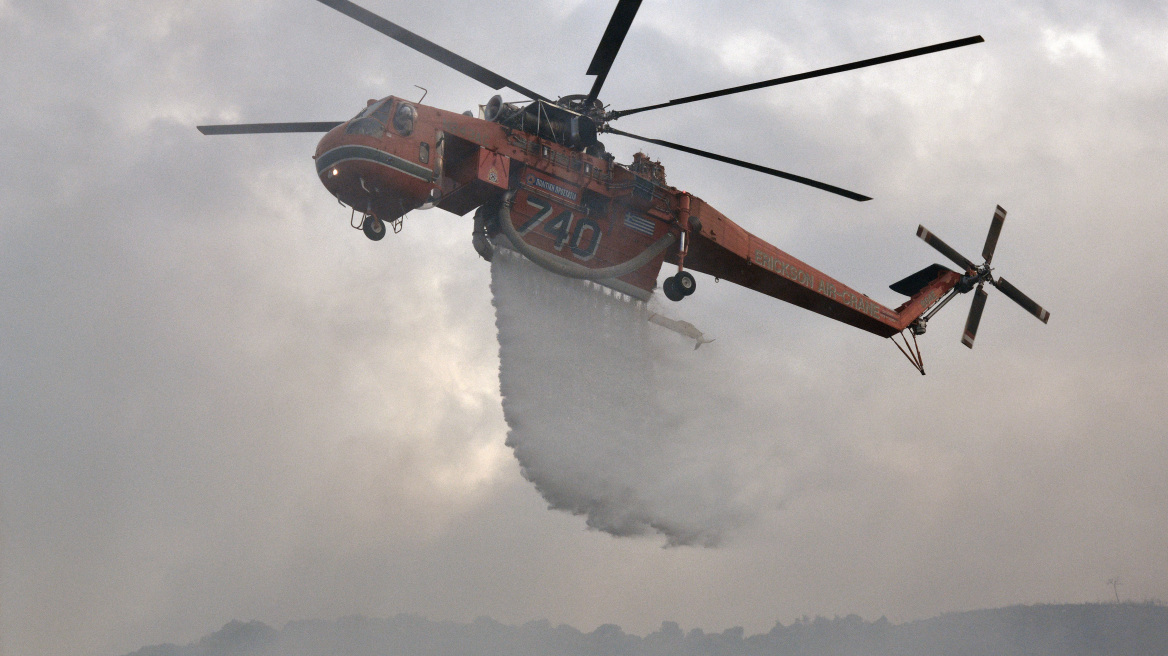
[{"x": 374, "y": 120}]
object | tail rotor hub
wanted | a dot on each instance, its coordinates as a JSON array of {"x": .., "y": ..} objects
[{"x": 977, "y": 276}]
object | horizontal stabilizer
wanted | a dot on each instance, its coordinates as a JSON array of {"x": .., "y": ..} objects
[{"x": 917, "y": 281}]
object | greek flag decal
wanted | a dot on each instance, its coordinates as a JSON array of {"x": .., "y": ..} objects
[{"x": 639, "y": 223}]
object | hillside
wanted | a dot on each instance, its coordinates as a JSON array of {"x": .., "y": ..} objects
[{"x": 1062, "y": 630}]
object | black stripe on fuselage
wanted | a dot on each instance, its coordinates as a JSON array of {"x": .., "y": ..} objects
[{"x": 346, "y": 153}]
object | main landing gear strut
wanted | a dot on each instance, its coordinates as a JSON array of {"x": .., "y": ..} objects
[{"x": 682, "y": 284}]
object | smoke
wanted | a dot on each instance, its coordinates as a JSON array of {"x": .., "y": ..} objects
[{"x": 605, "y": 418}]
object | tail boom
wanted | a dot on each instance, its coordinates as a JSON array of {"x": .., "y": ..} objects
[{"x": 724, "y": 250}]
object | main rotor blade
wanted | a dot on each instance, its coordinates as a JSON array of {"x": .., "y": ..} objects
[
  {"x": 945, "y": 249},
  {"x": 916, "y": 52},
  {"x": 268, "y": 128},
  {"x": 428, "y": 48},
  {"x": 610, "y": 43},
  {"x": 747, "y": 165},
  {"x": 974, "y": 318},
  {"x": 1022, "y": 299},
  {"x": 992, "y": 237}
]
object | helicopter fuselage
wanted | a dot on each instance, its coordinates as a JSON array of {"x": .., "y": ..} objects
[
  {"x": 541, "y": 183},
  {"x": 575, "y": 210}
]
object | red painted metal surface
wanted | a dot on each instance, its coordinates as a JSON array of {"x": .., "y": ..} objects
[
  {"x": 494, "y": 168},
  {"x": 582, "y": 210}
]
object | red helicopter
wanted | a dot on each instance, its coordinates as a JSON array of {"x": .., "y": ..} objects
[{"x": 541, "y": 183}]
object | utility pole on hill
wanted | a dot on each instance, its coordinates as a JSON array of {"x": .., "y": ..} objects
[{"x": 1114, "y": 583}]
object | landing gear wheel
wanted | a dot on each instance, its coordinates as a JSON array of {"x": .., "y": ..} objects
[
  {"x": 686, "y": 282},
  {"x": 673, "y": 291},
  {"x": 373, "y": 227}
]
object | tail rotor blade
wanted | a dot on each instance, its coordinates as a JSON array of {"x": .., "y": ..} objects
[
  {"x": 945, "y": 249},
  {"x": 992, "y": 238},
  {"x": 1022, "y": 299},
  {"x": 974, "y": 318}
]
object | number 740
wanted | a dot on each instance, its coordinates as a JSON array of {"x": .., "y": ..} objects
[{"x": 561, "y": 228}]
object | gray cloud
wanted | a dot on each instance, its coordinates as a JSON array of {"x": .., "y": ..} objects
[{"x": 219, "y": 403}]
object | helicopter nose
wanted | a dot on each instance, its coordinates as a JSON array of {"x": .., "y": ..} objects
[{"x": 370, "y": 178}]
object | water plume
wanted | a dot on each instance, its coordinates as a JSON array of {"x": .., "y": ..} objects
[{"x": 601, "y": 416}]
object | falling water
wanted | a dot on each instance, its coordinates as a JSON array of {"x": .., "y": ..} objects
[{"x": 591, "y": 395}]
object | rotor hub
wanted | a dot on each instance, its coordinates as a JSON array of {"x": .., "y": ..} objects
[{"x": 579, "y": 103}]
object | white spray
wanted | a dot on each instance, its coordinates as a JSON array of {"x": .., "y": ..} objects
[{"x": 602, "y": 415}]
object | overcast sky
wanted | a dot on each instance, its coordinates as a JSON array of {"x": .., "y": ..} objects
[{"x": 221, "y": 403}]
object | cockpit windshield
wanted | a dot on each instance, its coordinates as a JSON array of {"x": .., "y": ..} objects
[
  {"x": 370, "y": 108},
  {"x": 372, "y": 120}
]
